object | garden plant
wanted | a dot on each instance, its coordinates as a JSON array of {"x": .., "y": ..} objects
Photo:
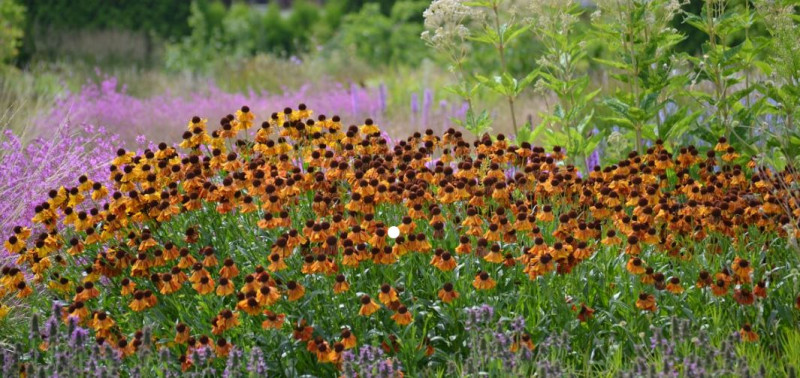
[{"x": 643, "y": 220}]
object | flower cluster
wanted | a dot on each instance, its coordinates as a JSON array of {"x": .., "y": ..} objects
[
  {"x": 445, "y": 21},
  {"x": 243, "y": 224}
]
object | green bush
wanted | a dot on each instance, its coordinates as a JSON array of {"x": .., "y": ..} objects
[
  {"x": 379, "y": 39},
  {"x": 12, "y": 18},
  {"x": 166, "y": 18},
  {"x": 241, "y": 31}
]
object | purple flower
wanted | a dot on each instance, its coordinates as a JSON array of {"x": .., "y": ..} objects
[
  {"x": 78, "y": 338},
  {"x": 382, "y": 98},
  {"x": 427, "y": 101}
]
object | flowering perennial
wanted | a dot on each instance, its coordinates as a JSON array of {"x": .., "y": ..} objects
[{"x": 244, "y": 223}]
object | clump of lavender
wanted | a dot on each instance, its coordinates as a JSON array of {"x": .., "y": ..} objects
[
  {"x": 676, "y": 352},
  {"x": 56, "y": 349},
  {"x": 496, "y": 347},
  {"x": 556, "y": 347},
  {"x": 369, "y": 362}
]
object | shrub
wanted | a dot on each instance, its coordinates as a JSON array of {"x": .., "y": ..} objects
[{"x": 12, "y": 18}]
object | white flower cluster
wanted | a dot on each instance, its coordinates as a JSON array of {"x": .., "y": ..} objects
[
  {"x": 551, "y": 16},
  {"x": 446, "y": 22}
]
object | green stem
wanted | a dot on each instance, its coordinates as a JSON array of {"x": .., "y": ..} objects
[{"x": 504, "y": 65}]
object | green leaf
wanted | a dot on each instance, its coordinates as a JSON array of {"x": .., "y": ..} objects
[
  {"x": 510, "y": 34},
  {"x": 611, "y": 63},
  {"x": 616, "y": 121},
  {"x": 591, "y": 95}
]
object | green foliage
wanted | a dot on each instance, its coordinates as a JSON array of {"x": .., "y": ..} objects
[
  {"x": 220, "y": 33},
  {"x": 563, "y": 54},
  {"x": 384, "y": 40},
  {"x": 741, "y": 85},
  {"x": 644, "y": 61},
  {"x": 12, "y": 19},
  {"x": 725, "y": 68},
  {"x": 477, "y": 124},
  {"x": 370, "y": 34},
  {"x": 166, "y": 18},
  {"x": 197, "y": 49},
  {"x": 782, "y": 66}
]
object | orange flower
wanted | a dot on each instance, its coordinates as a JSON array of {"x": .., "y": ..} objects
[
  {"x": 646, "y": 302},
  {"x": 249, "y": 305},
  {"x": 204, "y": 286},
  {"x": 276, "y": 263},
  {"x": 13, "y": 245},
  {"x": 760, "y": 290},
  {"x": 273, "y": 321},
  {"x": 226, "y": 320},
  {"x": 387, "y": 295},
  {"x": 747, "y": 333},
  {"x": 585, "y": 313},
  {"x": 101, "y": 321},
  {"x": 611, "y": 239},
  {"x": 402, "y": 316},
  {"x": 296, "y": 291},
  {"x": 445, "y": 263},
  {"x": 523, "y": 340},
  {"x": 222, "y": 348},
  {"x": 744, "y": 297},
  {"x": 225, "y": 287},
  {"x": 720, "y": 288},
  {"x": 341, "y": 285},
  {"x": 704, "y": 280},
  {"x": 348, "y": 339},
  {"x": 742, "y": 270},
  {"x": 229, "y": 269},
  {"x": 138, "y": 304},
  {"x": 302, "y": 331},
  {"x": 633, "y": 247},
  {"x": 169, "y": 284},
  {"x": 181, "y": 333},
  {"x": 447, "y": 293},
  {"x": 335, "y": 357},
  {"x": 635, "y": 266},
  {"x": 674, "y": 285},
  {"x": 23, "y": 290},
  {"x": 124, "y": 348},
  {"x": 494, "y": 256},
  {"x": 186, "y": 362},
  {"x": 368, "y": 306},
  {"x": 482, "y": 281}
]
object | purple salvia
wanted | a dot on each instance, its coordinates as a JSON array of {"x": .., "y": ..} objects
[
  {"x": 518, "y": 324},
  {"x": 256, "y": 363},
  {"x": 78, "y": 338},
  {"x": 382, "y": 97},
  {"x": 427, "y": 102},
  {"x": 354, "y": 98},
  {"x": 443, "y": 115},
  {"x": 414, "y": 108}
]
